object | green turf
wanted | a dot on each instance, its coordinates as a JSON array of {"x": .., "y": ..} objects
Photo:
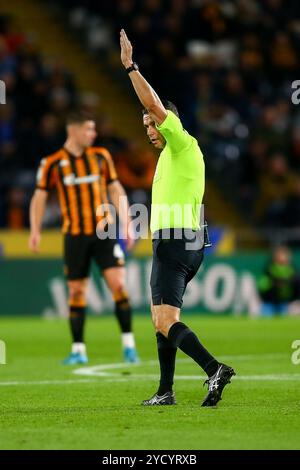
[{"x": 105, "y": 413}]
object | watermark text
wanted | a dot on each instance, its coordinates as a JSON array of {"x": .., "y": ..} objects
[
  {"x": 295, "y": 358},
  {"x": 2, "y": 352}
]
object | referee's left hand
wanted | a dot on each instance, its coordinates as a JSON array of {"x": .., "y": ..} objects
[{"x": 126, "y": 49}]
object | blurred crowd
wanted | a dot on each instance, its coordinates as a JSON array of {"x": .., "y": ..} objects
[
  {"x": 229, "y": 67},
  {"x": 39, "y": 95}
]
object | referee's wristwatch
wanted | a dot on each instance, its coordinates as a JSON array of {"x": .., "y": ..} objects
[{"x": 133, "y": 66}]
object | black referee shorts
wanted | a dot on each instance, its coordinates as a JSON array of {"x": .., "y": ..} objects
[
  {"x": 175, "y": 263},
  {"x": 80, "y": 250}
]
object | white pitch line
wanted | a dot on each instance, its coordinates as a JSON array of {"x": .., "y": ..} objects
[
  {"x": 262, "y": 378},
  {"x": 238, "y": 377},
  {"x": 47, "y": 382},
  {"x": 103, "y": 371},
  {"x": 274, "y": 377}
]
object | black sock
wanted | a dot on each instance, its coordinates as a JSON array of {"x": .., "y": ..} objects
[
  {"x": 182, "y": 337},
  {"x": 166, "y": 355},
  {"x": 77, "y": 317},
  {"x": 123, "y": 314}
]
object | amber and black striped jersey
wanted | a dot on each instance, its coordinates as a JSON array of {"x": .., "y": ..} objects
[{"x": 81, "y": 183}]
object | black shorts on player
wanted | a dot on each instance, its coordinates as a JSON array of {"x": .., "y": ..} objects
[
  {"x": 79, "y": 250},
  {"x": 175, "y": 262}
]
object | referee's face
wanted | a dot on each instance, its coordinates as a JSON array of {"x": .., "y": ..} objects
[{"x": 154, "y": 135}]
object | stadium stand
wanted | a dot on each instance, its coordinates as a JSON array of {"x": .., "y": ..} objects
[{"x": 231, "y": 65}]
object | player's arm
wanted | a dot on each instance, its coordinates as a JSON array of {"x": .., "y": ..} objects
[
  {"x": 147, "y": 96},
  {"x": 44, "y": 183},
  {"x": 36, "y": 213},
  {"x": 119, "y": 199}
]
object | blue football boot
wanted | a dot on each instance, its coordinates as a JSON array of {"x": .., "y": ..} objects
[
  {"x": 75, "y": 358},
  {"x": 130, "y": 355}
]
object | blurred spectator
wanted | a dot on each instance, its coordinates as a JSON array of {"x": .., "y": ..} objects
[
  {"x": 135, "y": 169},
  {"x": 7, "y": 60},
  {"x": 291, "y": 218},
  {"x": 276, "y": 185},
  {"x": 12, "y": 35},
  {"x": 254, "y": 165},
  {"x": 295, "y": 148},
  {"x": 7, "y": 136},
  {"x": 283, "y": 55},
  {"x": 279, "y": 285},
  {"x": 50, "y": 136},
  {"x": 270, "y": 128},
  {"x": 16, "y": 214},
  {"x": 107, "y": 136}
]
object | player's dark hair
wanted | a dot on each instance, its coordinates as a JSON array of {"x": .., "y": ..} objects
[
  {"x": 168, "y": 105},
  {"x": 79, "y": 117}
]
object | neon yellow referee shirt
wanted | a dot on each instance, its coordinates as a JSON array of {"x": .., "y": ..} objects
[{"x": 179, "y": 179}]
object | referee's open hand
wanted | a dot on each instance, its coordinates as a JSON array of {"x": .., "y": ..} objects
[{"x": 126, "y": 49}]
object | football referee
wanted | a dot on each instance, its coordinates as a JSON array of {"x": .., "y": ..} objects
[{"x": 177, "y": 193}]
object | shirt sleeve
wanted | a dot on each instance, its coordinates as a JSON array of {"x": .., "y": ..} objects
[
  {"x": 176, "y": 137},
  {"x": 109, "y": 167},
  {"x": 45, "y": 177}
]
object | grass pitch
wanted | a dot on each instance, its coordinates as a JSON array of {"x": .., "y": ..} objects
[{"x": 45, "y": 405}]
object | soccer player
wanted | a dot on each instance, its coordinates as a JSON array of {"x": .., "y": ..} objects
[
  {"x": 178, "y": 183},
  {"x": 84, "y": 176}
]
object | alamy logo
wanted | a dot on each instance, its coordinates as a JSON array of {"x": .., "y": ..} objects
[
  {"x": 295, "y": 358},
  {"x": 296, "y": 93},
  {"x": 2, "y": 352},
  {"x": 2, "y": 92}
]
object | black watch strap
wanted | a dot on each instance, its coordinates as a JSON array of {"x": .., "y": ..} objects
[{"x": 133, "y": 66}]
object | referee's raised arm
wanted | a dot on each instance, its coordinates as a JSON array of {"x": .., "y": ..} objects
[{"x": 147, "y": 96}]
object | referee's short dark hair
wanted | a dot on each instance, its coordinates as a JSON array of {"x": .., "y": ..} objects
[
  {"x": 168, "y": 105},
  {"x": 79, "y": 117}
]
